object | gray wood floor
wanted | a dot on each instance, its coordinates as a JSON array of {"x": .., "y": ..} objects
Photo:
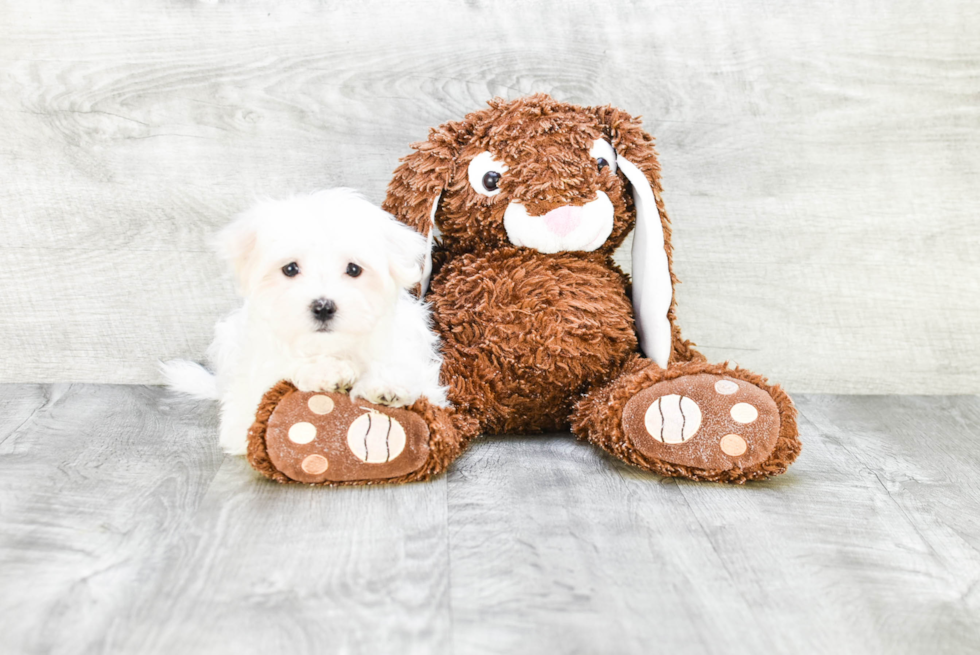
[{"x": 124, "y": 530}]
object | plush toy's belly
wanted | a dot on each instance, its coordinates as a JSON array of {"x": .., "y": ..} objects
[{"x": 524, "y": 333}]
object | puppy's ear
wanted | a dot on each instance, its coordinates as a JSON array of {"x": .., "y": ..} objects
[
  {"x": 417, "y": 185},
  {"x": 237, "y": 244},
  {"x": 653, "y": 302},
  {"x": 407, "y": 250}
]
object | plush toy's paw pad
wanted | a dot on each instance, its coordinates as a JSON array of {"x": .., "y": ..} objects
[
  {"x": 325, "y": 437},
  {"x": 704, "y": 421}
]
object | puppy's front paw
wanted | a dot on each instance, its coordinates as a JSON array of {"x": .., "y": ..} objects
[
  {"x": 326, "y": 375},
  {"x": 381, "y": 393}
]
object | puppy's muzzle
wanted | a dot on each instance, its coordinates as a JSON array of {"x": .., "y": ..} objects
[{"x": 323, "y": 309}]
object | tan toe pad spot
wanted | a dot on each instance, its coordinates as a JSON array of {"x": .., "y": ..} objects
[
  {"x": 744, "y": 413},
  {"x": 315, "y": 464},
  {"x": 320, "y": 404},
  {"x": 302, "y": 433},
  {"x": 726, "y": 387},
  {"x": 733, "y": 445}
]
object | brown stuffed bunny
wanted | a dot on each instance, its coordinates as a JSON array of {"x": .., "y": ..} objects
[{"x": 525, "y": 202}]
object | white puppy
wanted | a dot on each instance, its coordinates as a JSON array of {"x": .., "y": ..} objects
[{"x": 325, "y": 280}]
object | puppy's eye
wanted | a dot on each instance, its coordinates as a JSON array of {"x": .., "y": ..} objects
[
  {"x": 604, "y": 155},
  {"x": 291, "y": 269},
  {"x": 354, "y": 270},
  {"x": 484, "y": 173}
]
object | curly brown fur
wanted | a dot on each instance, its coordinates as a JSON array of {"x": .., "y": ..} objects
[
  {"x": 257, "y": 454},
  {"x": 448, "y": 436},
  {"x": 526, "y": 333},
  {"x": 521, "y": 337},
  {"x": 545, "y": 143},
  {"x": 525, "y": 376}
]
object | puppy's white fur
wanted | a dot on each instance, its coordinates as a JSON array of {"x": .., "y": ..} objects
[{"x": 378, "y": 343}]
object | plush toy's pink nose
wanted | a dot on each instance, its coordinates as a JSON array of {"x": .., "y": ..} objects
[{"x": 563, "y": 220}]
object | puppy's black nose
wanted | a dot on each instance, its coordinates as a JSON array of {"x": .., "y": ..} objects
[{"x": 323, "y": 309}]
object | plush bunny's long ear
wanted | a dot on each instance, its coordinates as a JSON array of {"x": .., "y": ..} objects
[
  {"x": 652, "y": 289},
  {"x": 417, "y": 185}
]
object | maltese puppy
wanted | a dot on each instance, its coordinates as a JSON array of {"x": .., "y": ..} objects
[{"x": 325, "y": 279}]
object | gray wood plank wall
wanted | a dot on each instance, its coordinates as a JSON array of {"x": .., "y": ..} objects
[{"x": 821, "y": 161}]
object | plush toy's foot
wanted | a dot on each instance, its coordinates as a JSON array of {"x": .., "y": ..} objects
[
  {"x": 705, "y": 421},
  {"x": 696, "y": 420},
  {"x": 325, "y": 438}
]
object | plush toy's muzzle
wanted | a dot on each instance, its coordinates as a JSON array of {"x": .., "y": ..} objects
[{"x": 566, "y": 228}]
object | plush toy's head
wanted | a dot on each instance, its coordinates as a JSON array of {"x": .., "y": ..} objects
[{"x": 552, "y": 177}]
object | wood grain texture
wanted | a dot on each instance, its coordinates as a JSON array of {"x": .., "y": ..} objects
[
  {"x": 123, "y": 530},
  {"x": 95, "y": 484},
  {"x": 868, "y": 545},
  {"x": 821, "y": 162},
  {"x": 119, "y": 533},
  {"x": 291, "y": 569}
]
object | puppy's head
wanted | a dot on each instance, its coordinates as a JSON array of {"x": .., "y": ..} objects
[{"x": 329, "y": 263}]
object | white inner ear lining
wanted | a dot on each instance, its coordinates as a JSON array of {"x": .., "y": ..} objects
[
  {"x": 652, "y": 289},
  {"x": 427, "y": 260}
]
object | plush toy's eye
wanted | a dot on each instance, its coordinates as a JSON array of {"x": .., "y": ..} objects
[
  {"x": 484, "y": 173},
  {"x": 291, "y": 269},
  {"x": 603, "y": 154},
  {"x": 490, "y": 180},
  {"x": 354, "y": 270}
]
